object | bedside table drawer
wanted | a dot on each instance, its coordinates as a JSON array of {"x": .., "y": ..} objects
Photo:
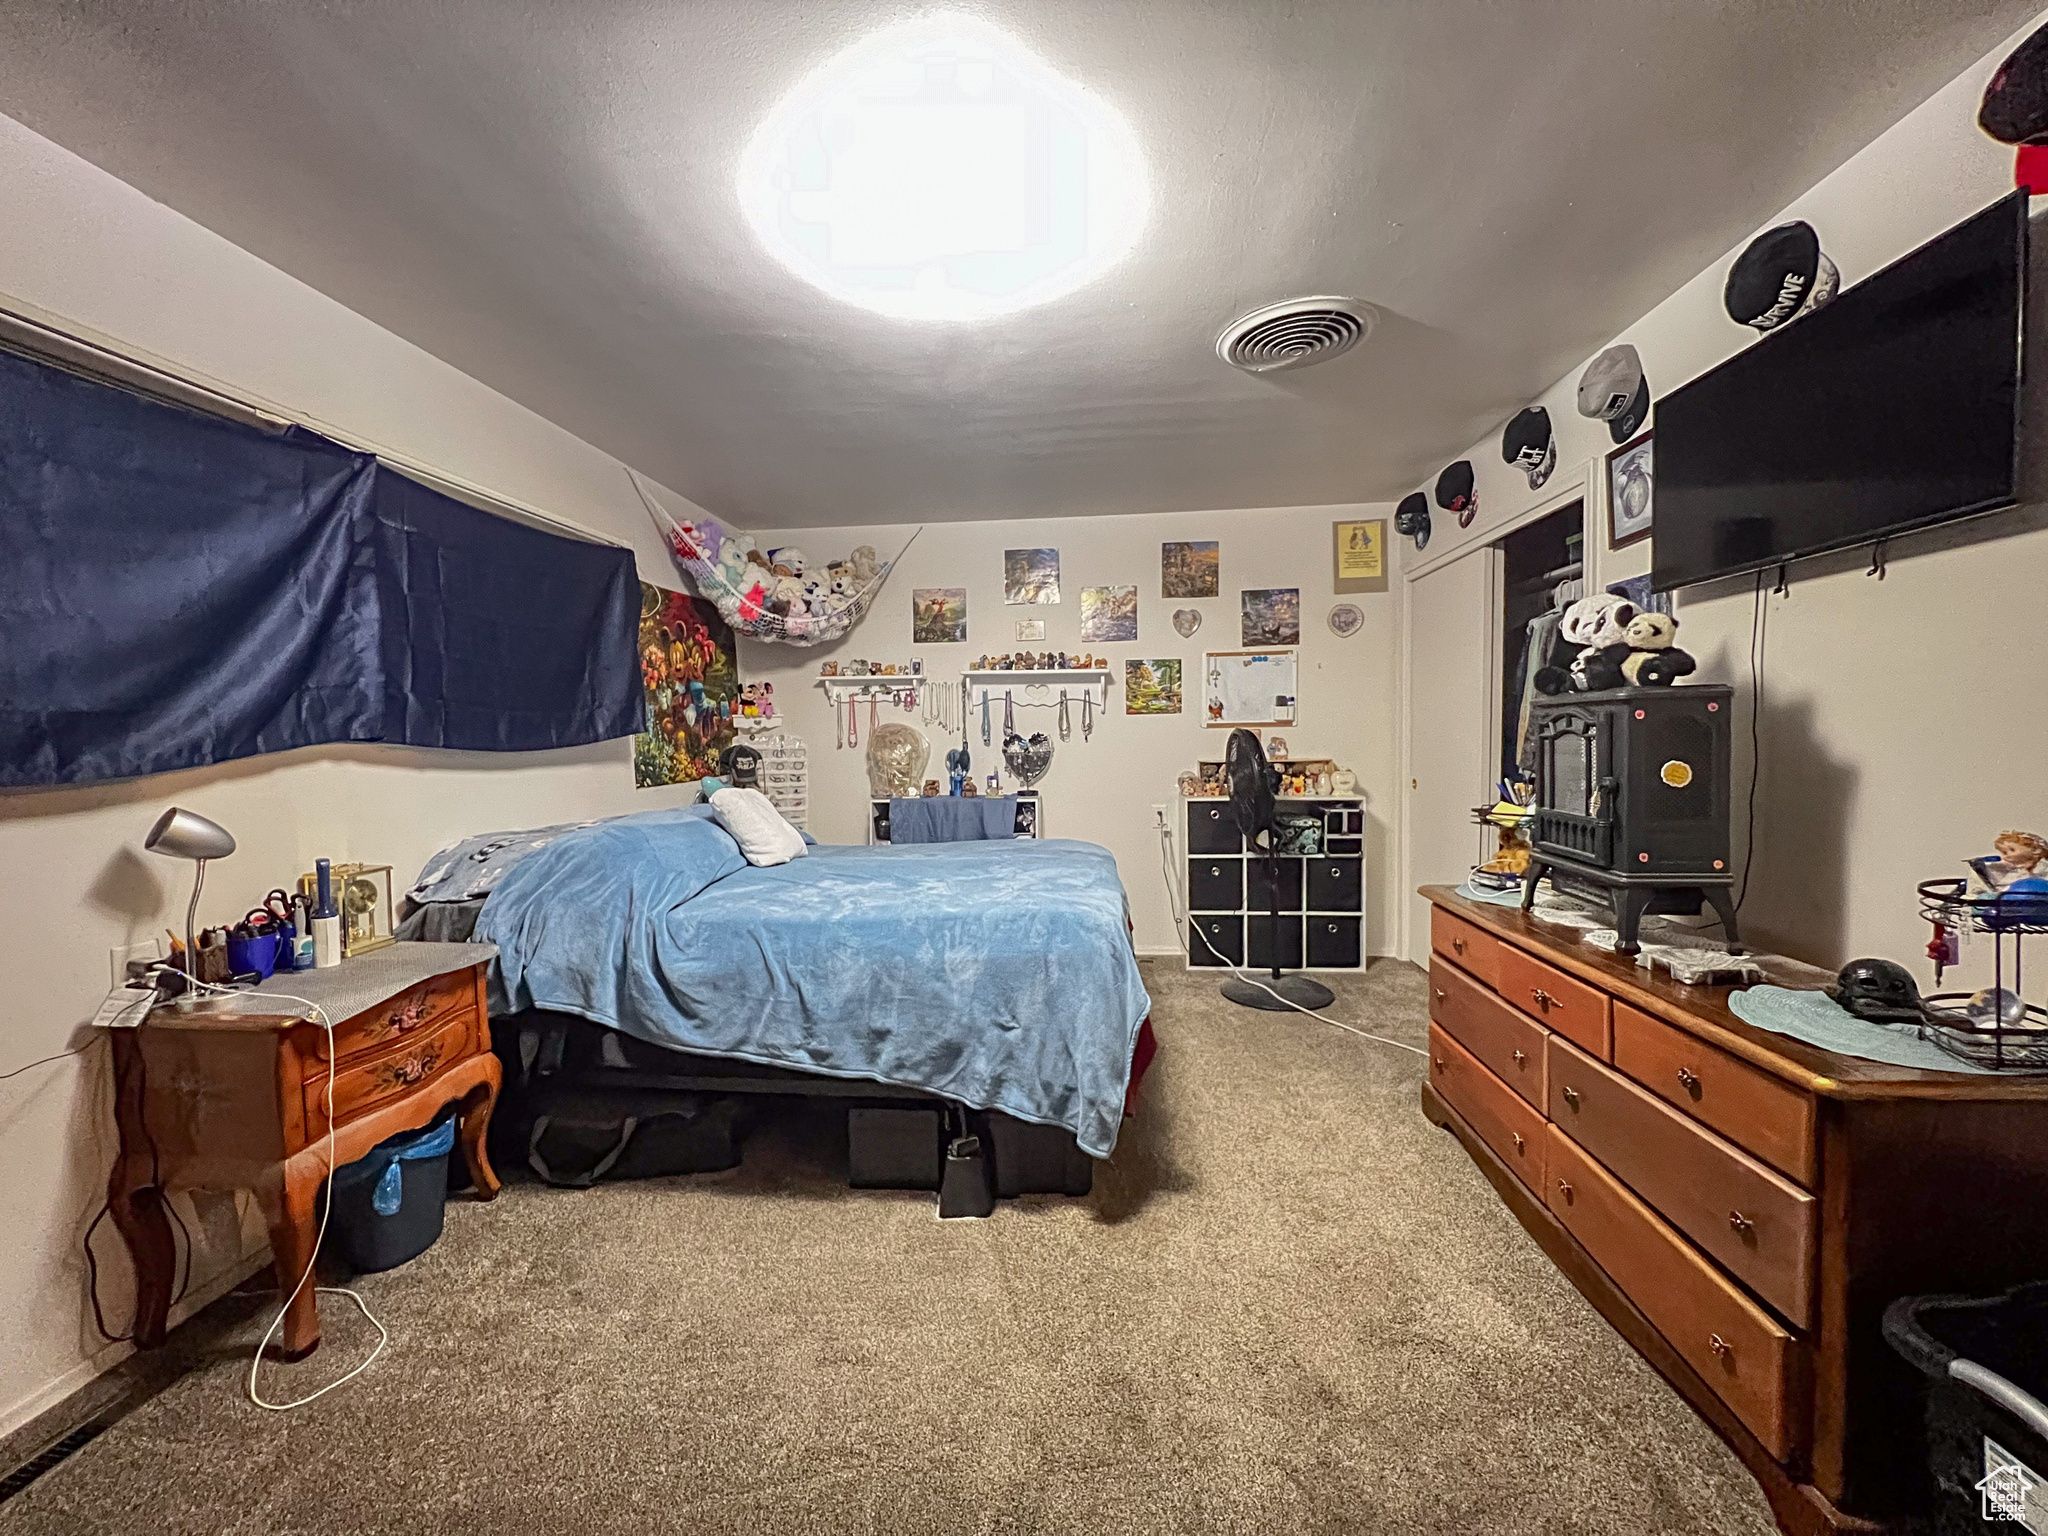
[
  {"x": 428, "y": 1052},
  {"x": 418, "y": 1008}
]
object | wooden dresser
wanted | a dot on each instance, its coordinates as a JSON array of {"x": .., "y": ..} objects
[
  {"x": 239, "y": 1100},
  {"x": 1739, "y": 1205}
]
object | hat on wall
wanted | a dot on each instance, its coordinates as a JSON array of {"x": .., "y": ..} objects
[
  {"x": 1528, "y": 445},
  {"x": 1614, "y": 390},
  {"x": 1780, "y": 275},
  {"x": 1455, "y": 493},
  {"x": 2015, "y": 105},
  {"x": 1412, "y": 518}
]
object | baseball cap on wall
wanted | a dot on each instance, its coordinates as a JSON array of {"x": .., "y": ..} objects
[
  {"x": 1528, "y": 445},
  {"x": 1613, "y": 389},
  {"x": 1412, "y": 518},
  {"x": 2015, "y": 105},
  {"x": 1455, "y": 492},
  {"x": 1779, "y": 276}
]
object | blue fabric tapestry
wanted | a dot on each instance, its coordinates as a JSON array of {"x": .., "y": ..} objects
[
  {"x": 177, "y": 589},
  {"x": 999, "y": 974}
]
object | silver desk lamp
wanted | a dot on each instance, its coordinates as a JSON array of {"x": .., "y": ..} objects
[{"x": 183, "y": 834}]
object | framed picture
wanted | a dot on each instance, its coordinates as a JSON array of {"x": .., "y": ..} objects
[
  {"x": 1190, "y": 568},
  {"x": 1248, "y": 688},
  {"x": 1109, "y": 613},
  {"x": 1152, "y": 687},
  {"x": 938, "y": 615},
  {"x": 1272, "y": 616},
  {"x": 1360, "y": 554},
  {"x": 1631, "y": 486},
  {"x": 1031, "y": 629},
  {"x": 1031, "y": 576}
]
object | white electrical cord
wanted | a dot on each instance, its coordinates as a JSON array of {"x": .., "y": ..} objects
[
  {"x": 326, "y": 1213},
  {"x": 1177, "y": 906}
]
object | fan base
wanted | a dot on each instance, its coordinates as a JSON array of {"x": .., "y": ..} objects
[{"x": 1298, "y": 992}]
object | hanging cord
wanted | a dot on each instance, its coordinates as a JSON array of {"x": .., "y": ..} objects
[
  {"x": 1176, "y": 907},
  {"x": 1087, "y": 716},
  {"x": 1759, "y": 629},
  {"x": 1066, "y": 726},
  {"x": 984, "y": 717}
]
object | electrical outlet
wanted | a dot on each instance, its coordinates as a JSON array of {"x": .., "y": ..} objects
[
  {"x": 1159, "y": 815},
  {"x": 118, "y": 957}
]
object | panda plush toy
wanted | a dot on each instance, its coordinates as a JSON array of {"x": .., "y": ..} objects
[
  {"x": 1654, "y": 659},
  {"x": 1590, "y": 648}
]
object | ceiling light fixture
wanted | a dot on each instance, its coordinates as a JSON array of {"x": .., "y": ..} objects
[{"x": 940, "y": 170}]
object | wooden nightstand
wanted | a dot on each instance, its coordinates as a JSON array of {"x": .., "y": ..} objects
[{"x": 239, "y": 1100}]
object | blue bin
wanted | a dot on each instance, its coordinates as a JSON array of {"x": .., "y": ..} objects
[{"x": 388, "y": 1204}]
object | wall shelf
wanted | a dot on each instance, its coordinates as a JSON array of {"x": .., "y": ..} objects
[
  {"x": 1016, "y": 683},
  {"x": 840, "y": 688}
]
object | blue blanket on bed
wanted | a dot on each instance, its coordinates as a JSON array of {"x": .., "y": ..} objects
[{"x": 999, "y": 974}]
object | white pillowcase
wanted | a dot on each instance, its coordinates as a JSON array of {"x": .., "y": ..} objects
[{"x": 764, "y": 837}]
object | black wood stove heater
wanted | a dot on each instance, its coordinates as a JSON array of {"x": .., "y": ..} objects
[{"x": 1632, "y": 801}]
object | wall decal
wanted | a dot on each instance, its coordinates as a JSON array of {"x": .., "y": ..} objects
[
  {"x": 1152, "y": 687},
  {"x": 1109, "y": 613},
  {"x": 1272, "y": 616},
  {"x": 689, "y": 663},
  {"x": 938, "y": 615},
  {"x": 1031, "y": 576},
  {"x": 1190, "y": 568}
]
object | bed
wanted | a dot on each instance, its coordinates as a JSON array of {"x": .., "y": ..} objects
[{"x": 995, "y": 975}]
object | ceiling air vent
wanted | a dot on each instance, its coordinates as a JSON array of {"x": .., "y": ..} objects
[{"x": 1295, "y": 333}]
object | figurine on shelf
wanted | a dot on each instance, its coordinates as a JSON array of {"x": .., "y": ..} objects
[
  {"x": 829, "y": 669},
  {"x": 1190, "y": 784},
  {"x": 2019, "y": 856},
  {"x": 931, "y": 789},
  {"x": 767, "y": 701}
]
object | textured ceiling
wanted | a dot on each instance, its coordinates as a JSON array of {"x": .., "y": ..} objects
[{"x": 542, "y": 194}]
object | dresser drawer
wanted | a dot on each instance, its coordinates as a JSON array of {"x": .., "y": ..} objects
[
  {"x": 1564, "y": 1003},
  {"x": 1216, "y": 885},
  {"x": 418, "y": 1008},
  {"x": 1738, "y": 1349},
  {"x": 1465, "y": 944},
  {"x": 1761, "y": 1114},
  {"x": 1509, "y": 1044},
  {"x": 401, "y": 1068},
  {"x": 1212, "y": 828},
  {"x": 1503, "y": 1120},
  {"x": 1759, "y": 1226},
  {"x": 1336, "y": 885}
]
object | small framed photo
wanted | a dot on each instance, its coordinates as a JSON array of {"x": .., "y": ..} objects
[
  {"x": 1631, "y": 487},
  {"x": 1031, "y": 629}
]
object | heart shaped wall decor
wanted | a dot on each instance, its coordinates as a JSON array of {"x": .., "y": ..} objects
[
  {"x": 1186, "y": 621},
  {"x": 1027, "y": 760}
]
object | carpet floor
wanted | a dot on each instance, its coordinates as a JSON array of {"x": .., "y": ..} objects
[{"x": 1291, "y": 1305}]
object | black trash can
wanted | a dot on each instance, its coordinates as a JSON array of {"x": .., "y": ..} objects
[
  {"x": 1985, "y": 1360},
  {"x": 389, "y": 1203}
]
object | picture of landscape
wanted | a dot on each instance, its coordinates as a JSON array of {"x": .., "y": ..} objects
[
  {"x": 1031, "y": 575},
  {"x": 1109, "y": 613},
  {"x": 1152, "y": 687},
  {"x": 938, "y": 615},
  {"x": 1190, "y": 569},
  {"x": 1272, "y": 615}
]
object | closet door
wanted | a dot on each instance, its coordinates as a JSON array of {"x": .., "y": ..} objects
[{"x": 1450, "y": 705}]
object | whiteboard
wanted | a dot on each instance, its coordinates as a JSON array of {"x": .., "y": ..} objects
[{"x": 1249, "y": 687}]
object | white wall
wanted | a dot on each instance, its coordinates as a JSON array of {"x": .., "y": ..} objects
[
  {"x": 1902, "y": 726},
  {"x": 82, "y": 247},
  {"x": 1103, "y": 790}
]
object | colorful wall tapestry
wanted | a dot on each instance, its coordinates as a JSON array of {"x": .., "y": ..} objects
[
  {"x": 1189, "y": 568},
  {"x": 938, "y": 615},
  {"x": 691, "y": 667}
]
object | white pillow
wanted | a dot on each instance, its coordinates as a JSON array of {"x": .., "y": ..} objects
[{"x": 764, "y": 837}]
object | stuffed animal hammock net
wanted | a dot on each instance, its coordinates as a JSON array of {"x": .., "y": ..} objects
[{"x": 787, "y": 599}]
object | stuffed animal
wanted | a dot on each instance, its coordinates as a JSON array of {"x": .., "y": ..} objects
[
  {"x": 1654, "y": 659},
  {"x": 787, "y": 560},
  {"x": 1592, "y": 624},
  {"x": 864, "y": 564}
]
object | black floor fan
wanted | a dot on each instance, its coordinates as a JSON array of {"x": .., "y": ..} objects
[{"x": 1252, "y": 782}]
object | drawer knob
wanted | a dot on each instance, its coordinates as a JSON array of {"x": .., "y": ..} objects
[
  {"x": 1719, "y": 1346},
  {"x": 1570, "y": 1095},
  {"x": 1564, "y": 1188},
  {"x": 1740, "y": 1222},
  {"x": 1458, "y": 946},
  {"x": 1519, "y": 1144},
  {"x": 1439, "y": 1063},
  {"x": 1689, "y": 1081},
  {"x": 1521, "y": 1057},
  {"x": 1439, "y": 994},
  {"x": 1541, "y": 998}
]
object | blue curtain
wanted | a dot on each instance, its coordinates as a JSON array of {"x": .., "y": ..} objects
[{"x": 177, "y": 589}]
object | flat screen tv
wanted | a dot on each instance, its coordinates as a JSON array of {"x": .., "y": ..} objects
[{"x": 1894, "y": 407}]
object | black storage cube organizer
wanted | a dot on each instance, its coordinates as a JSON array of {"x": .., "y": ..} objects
[
  {"x": 1213, "y": 829},
  {"x": 1037, "y": 1159},
  {"x": 1985, "y": 1364},
  {"x": 1215, "y": 885},
  {"x": 1259, "y": 943},
  {"x": 389, "y": 1203},
  {"x": 1216, "y": 940},
  {"x": 892, "y": 1148},
  {"x": 1259, "y": 885}
]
